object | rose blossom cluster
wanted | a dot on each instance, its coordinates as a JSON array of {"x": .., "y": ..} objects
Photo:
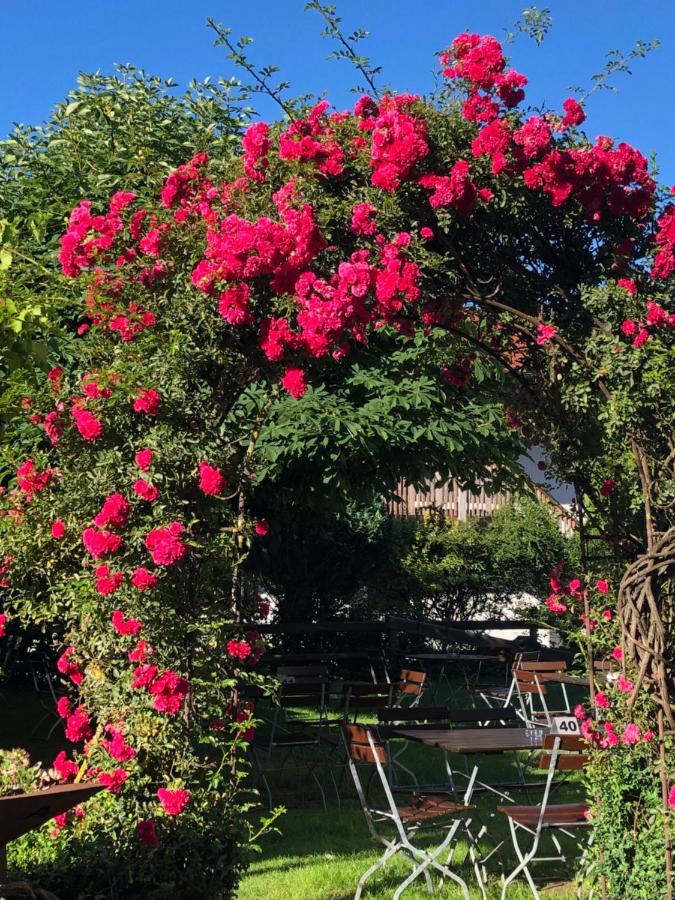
[
  {"x": 601, "y": 731},
  {"x": 568, "y": 592},
  {"x": 246, "y": 259},
  {"x": 602, "y": 178},
  {"x": 657, "y": 317},
  {"x": 167, "y": 689},
  {"x": 31, "y": 480},
  {"x": 88, "y": 236},
  {"x": 165, "y": 544},
  {"x": 312, "y": 140}
]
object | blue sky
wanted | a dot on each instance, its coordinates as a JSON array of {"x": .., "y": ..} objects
[{"x": 45, "y": 43}]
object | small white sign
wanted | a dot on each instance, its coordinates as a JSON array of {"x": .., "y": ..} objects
[{"x": 565, "y": 725}]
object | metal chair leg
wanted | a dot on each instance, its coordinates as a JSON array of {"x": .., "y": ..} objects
[
  {"x": 380, "y": 864},
  {"x": 430, "y": 859},
  {"x": 524, "y": 861}
]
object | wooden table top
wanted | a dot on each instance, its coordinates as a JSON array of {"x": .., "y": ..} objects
[
  {"x": 21, "y": 813},
  {"x": 564, "y": 678},
  {"x": 475, "y": 740}
]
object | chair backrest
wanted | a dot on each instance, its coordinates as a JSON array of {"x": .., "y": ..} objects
[
  {"x": 297, "y": 674},
  {"x": 303, "y": 694},
  {"x": 412, "y": 682},
  {"x": 360, "y": 748},
  {"x": 413, "y": 714},
  {"x": 572, "y": 753},
  {"x": 528, "y": 683},
  {"x": 542, "y": 665},
  {"x": 368, "y": 696},
  {"x": 527, "y": 656}
]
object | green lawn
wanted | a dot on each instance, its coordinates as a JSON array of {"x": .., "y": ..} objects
[{"x": 320, "y": 855}]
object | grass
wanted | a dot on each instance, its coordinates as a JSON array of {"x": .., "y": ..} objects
[
  {"x": 320, "y": 855},
  {"x": 317, "y": 854}
]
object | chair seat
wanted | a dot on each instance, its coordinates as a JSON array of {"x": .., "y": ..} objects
[
  {"x": 430, "y": 806},
  {"x": 568, "y": 814}
]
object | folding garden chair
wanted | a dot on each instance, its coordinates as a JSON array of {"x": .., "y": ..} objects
[
  {"x": 396, "y": 825},
  {"x": 302, "y": 694},
  {"x": 499, "y": 694},
  {"x": 411, "y": 686},
  {"x": 565, "y": 754},
  {"x": 530, "y": 681},
  {"x": 358, "y": 696},
  {"x": 355, "y": 698}
]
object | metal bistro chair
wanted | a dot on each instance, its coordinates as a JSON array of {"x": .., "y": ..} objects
[
  {"x": 411, "y": 686},
  {"x": 303, "y": 693},
  {"x": 427, "y": 812},
  {"x": 530, "y": 682},
  {"x": 358, "y": 696},
  {"x": 528, "y": 677},
  {"x": 355, "y": 698},
  {"x": 565, "y": 754}
]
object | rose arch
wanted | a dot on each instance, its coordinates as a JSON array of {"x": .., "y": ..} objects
[{"x": 505, "y": 238}]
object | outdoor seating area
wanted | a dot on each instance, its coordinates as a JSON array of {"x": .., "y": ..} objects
[{"x": 481, "y": 795}]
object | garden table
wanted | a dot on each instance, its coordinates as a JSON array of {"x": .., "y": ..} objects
[
  {"x": 476, "y": 742},
  {"x": 370, "y": 658},
  {"x": 473, "y": 742},
  {"x": 452, "y": 657},
  {"x": 469, "y": 741},
  {"x": 579, "y": 680},
  {"x": 561, "y": 678}
]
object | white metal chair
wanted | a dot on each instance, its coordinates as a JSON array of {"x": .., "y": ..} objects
[
  {"x": 396, "y": 825},
  {"x": 289, "y": 737},
  {"x": 564, "y": 754}
]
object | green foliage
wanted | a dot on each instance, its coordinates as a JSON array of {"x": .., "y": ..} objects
[
  {"x": 458, "y": 569},
  {"x": 363, "y": 562},
  {"x": 17, "y": 773},
  {"x": 534, "y": 23},
  {"x": 120, "y": 132},
  {"x": 628, "y": 819},
  {"x": 95, "y": 863},
  {"x": 347, "y": 45},
  {"x": 628, "y": 813}
]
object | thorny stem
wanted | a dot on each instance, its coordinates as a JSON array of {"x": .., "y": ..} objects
[{"x": 240, "y": 60}]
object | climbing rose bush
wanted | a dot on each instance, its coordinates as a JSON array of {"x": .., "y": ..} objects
[
  {"x": 243, "y": 290},
  {"x": 623, "y": 741}
]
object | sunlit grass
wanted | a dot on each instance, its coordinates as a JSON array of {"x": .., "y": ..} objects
[{"x": 320, "y": 855}]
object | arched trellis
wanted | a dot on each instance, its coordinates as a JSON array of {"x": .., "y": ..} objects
[{"x": 646, "y": 595}]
